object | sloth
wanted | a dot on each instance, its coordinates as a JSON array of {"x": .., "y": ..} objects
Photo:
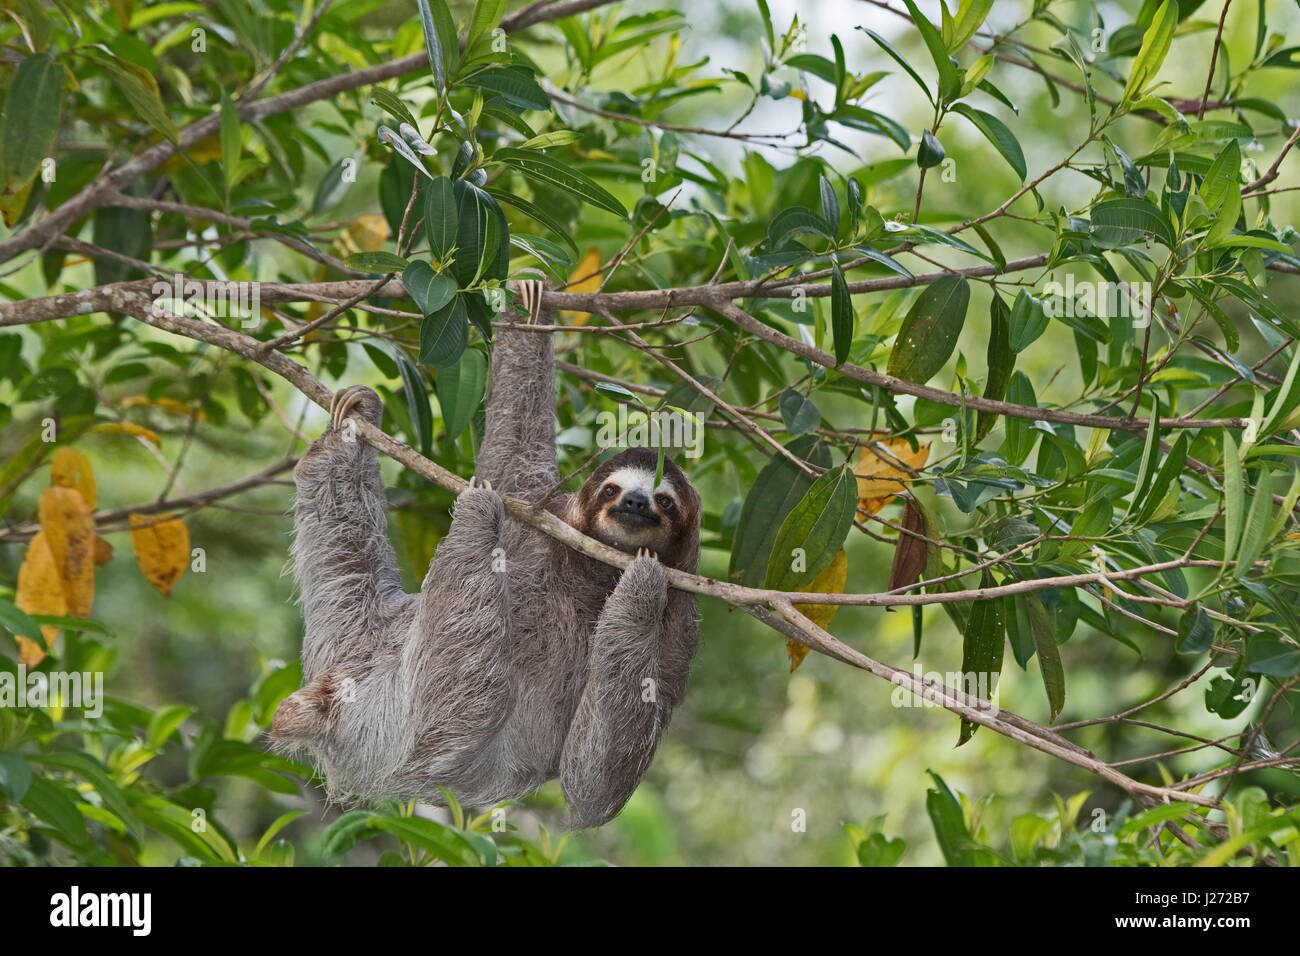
[{"x": 519, "y": 660}]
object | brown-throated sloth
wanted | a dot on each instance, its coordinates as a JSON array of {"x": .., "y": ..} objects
[{"x": 520, "y": 660}]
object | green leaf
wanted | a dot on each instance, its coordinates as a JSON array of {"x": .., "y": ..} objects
[
  {"x": 1224, "y": 173},
  {"x": 949, "y": 77},
  {"x": 1049, "y": 655},
  {"x": 15, "y": 776},
  {"x": 482, "y": 236},
  {"x": 1264, "y": 655},
  {"x": 1001, "y": 360},
  {"x": 774, "y": 493},
  {"x": 798, "y": 413},
  {"x": 983, "y": 644},
  {"x": 417, "y": 399},
  {"x": 543, "y": 168},
  {"x": 1234, "y": 498},
  {"x": 430, "y": 291},
  {"x": 997, "y": 133},
  {"x": 443, "y": 49},
  {"x": 381, "y": 262},
  {"x": 487, "y": 17},
  {"x": 332, "y": 186},
  {"x": 440, "y": 842},
  {"x": 89, "y": 770},
  {"x": 971, "y": 15},
  {"x": 875, "y": 850},
  {"x": 830, "y": 204},
  {"x": 841, "y": 315},
  {"x": 1285, "y": 402},
  {"x": 441, "y": 223},
  {"x": 1126, "y": 222},
  {"x": 930, "y": 330},
  {"x": 1150, "y": 451},
  {"x": 898, "y": 58},
  {"x": 444, "y": 334},
  {"x": 1167, "y": 476},
  {"x": 50, "y": 804},
  {"x": 164, "y": 723},
  {"x": 342, "y": 835},
  {"x": 792, "y": 220},
  {"x": 1028, "y": 321},
  {"x": 16, "y": 621},
  {"x": 556, "y": 227},
  {"x": 1155, "y": 46},
  {"x": 1254, "y": 535},
  {"x": 516, "y": 85},
  {"x": 955, "y": 841},
  {"x": 391, "y": 103},
  {"x": 460, "y": 389},
  {"x": 816, "y": 526},
  {"x": 1195, "y": 631},
  {"x": 31, "y": 118},
  {"x": 141, "y": 90}
]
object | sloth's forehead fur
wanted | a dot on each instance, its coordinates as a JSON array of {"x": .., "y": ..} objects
[{"x": 633, "y": 478}]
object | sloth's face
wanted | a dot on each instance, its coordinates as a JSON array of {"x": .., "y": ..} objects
[
  {"x": 622, "y": 506},
  {"x": 634, "y": 513}
]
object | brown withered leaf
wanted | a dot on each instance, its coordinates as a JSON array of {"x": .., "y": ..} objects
[
  {"x": 69, "y": 468},
  {"x": 103, "y": 551},
  {"x": 885, "y": 467},
  {"x": 70, "y": 533},
  {"x": 830, "y": 581},
  {"x": 162, "y": 548},
  {"x": 40, "y": 591},
  {"x": 910, "y": 555}
]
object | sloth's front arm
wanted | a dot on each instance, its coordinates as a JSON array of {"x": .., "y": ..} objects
[{"x": 638, "y": 662}]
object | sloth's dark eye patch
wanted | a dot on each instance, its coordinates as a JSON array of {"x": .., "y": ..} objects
[{"x": 610, "y": 490}]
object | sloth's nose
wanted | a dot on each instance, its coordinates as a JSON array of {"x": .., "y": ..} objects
[{"x": 639, "y": 502}]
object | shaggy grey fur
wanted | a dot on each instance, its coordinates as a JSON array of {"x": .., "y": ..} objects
[{"x": 488, "y": 682}]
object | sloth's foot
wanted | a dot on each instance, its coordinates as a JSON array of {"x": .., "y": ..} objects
[
  {"x": 647, "y": 553},
  {"x": 476, "y": 482}
]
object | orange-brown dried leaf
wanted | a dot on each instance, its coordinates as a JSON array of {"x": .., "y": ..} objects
[
  {"x": 103, "y": 551},
  {"x": 885, "y": 467},
  {"x": 40, "y": 591},
  {"x": 910, "y": 555},
  {"x": 162, "y": 548},
  {"x": 830, "y": 581},
  {"x": 70, "y": 532},
  {"x": 69, "y": 468}
]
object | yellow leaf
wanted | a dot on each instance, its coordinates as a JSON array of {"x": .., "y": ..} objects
[
  {"x": 69, "y": 531},
  {"x": 40, "y": 591},
  {"x": 884, "y": 469},
  {"x": 162, "y": 548},
  {"x": 367, "y": 233},
  {"x": 129, "y": 428},
  {"x": 585, "y": 278},
  {"x": 70, "y": 469},
  {"x": 830, "y": 581},
  {"x": 13, "y": 203},
  {"x": 172, "y": 405}
]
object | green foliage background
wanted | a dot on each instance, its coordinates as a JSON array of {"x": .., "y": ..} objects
[{"x": 753, "y": 746}]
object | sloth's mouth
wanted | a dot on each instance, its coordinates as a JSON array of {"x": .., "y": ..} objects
[{"x": 637, "y": 519}]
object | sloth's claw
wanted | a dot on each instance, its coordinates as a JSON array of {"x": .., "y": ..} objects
[
  {"x": 344, "y": 400},
  {"x": 477, "y": 482},
  {"x": 530, "y": 293}
]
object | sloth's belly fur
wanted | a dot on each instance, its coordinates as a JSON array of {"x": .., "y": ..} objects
[{"x": 490, "y": 727}]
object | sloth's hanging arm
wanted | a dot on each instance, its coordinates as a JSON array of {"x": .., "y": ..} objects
[{"x": 518, "y": 453}]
